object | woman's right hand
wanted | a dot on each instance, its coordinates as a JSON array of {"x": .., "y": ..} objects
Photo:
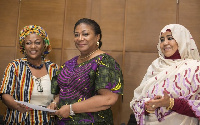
[
  {"x": 8, "y": 100},
  {"x": 158, "y": 101},
  {"x": 22, "y": 108},
  {"x": 63, "y": 112}
]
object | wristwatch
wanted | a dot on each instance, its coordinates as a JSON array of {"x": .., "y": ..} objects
[{"x": 71, "y": 112}]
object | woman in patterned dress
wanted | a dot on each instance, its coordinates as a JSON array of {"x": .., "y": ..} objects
[
  {"x": 28, "y": 79},
  {"x": 88, "y": 84},
  {"x": 169, "y": 93}
]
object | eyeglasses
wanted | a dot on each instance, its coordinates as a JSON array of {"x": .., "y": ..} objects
[{"x": 39, "y": 86}]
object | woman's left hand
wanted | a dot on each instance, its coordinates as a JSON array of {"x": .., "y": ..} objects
[
  {"x": 63, "y": 112},
  {"x": 158, "y": 101},
  {"x": 52, "y": 106}
]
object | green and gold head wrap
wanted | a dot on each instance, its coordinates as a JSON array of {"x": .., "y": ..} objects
[{"x": 27, "y": 30}]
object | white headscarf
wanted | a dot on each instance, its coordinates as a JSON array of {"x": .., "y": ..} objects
[
  {"x": 178, "y": 77},
  {"x": 186, "y": 45}
]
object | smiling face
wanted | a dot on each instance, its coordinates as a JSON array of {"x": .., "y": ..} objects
[
  {"x": 168, "y": 44},
  {"x": 34, "y": 47},
  {"x": 85, "y": 38}
]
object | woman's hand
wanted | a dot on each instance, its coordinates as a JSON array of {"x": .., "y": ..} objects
[
  {"x": 63, "y": 112},
  {"x": 22, "y": 108},
  {"x": 158, "y": 101},
  {"x": 157, "y": 97},
  {"x": 53, "y": 106},
  {"x": 8, "y": 100}
]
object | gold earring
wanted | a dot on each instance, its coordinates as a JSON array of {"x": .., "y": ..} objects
[{"x": 97, "y": 43}]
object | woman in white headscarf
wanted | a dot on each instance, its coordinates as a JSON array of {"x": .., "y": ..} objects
[{"x": 169, "y": 93}]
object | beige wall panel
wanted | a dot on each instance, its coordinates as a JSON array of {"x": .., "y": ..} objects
[
  {"x": 7, "y": 55},
  {"x": 116, "y": 110},
  {"x": 55, "y": 56},
  {"x": 144, "y": 21},
  {"x": 108, "y": 14},
  {"x": 19, "y": 54},
  {"x": 76, "y": 9},
  {"x": 111, "y": 21},
  {"x": 49, "y": 14},
  {"x": 189, "y": 17},
  {"x": 8, "y": 21},
  {"x": 69, "y": 54},
  {"x": 3, "y": 108},
  {"x": 136, "y": 65},
  {"x": 96, "y": 10}
]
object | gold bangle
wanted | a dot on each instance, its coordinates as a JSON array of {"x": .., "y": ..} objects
[
  {"x": 168, "y": 108},
  {"x": 150, "y": 111},
  {"x": 171, "y": 104}
]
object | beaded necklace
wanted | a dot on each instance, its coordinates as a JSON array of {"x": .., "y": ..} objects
[
  {"x": 34, "y": 66},
  {"x": 88, "y": 54}
]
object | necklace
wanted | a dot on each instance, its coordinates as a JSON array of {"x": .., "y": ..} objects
[
  {"x": 34, "y": 66},
  {"x": 88, "y": 54}
]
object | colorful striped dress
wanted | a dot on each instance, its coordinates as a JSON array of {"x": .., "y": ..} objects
[
  {"x": 18, "y": 82},
  {"x": 78, "y": 82}
]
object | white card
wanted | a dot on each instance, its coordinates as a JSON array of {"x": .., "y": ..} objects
[{"x": 36, "y": 107}]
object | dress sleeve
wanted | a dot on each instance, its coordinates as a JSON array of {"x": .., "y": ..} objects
[
  {"x": 54, "y": 84},
  {"x": 181, "y": 106},
  {"x": 8, "y": 81},
  {"x": 109, "y": 75}
]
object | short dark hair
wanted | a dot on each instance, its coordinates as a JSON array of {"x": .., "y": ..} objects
[{"x": 93, "y": 24}]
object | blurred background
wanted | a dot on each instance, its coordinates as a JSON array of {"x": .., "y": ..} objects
[{"x": 130, "y": 30}]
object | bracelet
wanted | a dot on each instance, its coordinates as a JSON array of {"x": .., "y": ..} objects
[
  {"x": 151, "y": 112},
  {"x": 54, "y": 103},
  {"x": 171, "y": 104},
  {"x": 71, "y": 112}
]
